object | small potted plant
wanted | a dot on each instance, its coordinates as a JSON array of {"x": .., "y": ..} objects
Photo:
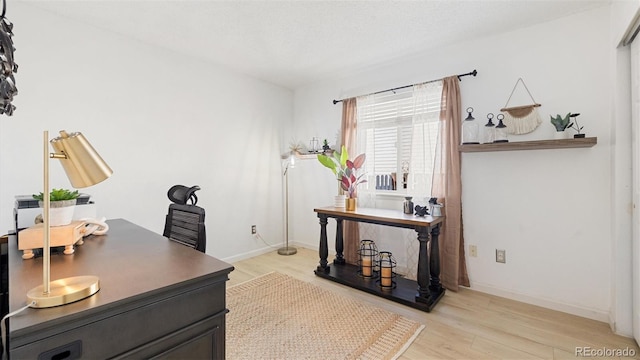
[
  {"x": 61, "y": 206},
  {"x": 575, "y": 126},
  {"x": 325, "y": 145},
  {"x": 346, "y": 173},
  {"x": 561, "y": 124}
]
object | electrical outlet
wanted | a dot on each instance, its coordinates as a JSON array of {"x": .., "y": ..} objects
[
  {"x": 253, "y": 230},
  {"x": 501, "y": 256},
  {"x": 473, "y": 251}
]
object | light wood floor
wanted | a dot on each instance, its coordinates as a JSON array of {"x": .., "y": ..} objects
[{"x": 466, "y": 324}]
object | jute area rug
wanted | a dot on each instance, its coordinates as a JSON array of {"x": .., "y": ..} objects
[{"x": 275, "y": 316}]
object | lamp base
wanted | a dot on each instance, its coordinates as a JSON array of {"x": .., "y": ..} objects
[
  {"x": 64, "y": 291},
  {"x": 287, "y": 250}
]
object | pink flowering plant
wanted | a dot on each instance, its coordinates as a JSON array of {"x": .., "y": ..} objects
[{"x": 346, "y": 170}]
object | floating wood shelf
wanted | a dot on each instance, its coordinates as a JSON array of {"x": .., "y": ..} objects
[
  {"x": 531, "y": 145},
  {"x": 307, "y": 156}
]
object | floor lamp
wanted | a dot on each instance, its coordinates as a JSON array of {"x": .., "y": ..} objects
[
  {"x": 84, "y": 167},
  {"x": 290, "y": 164}
]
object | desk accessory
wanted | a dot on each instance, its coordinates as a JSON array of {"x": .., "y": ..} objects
[
  {"x": 84, "y": 167},
  {"x": 65, "y": 235}
]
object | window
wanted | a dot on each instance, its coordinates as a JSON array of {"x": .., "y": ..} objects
[{"x": 398, "y": 131}]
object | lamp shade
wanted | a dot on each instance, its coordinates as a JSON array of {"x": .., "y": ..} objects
[{"x": 83, "y": 165}]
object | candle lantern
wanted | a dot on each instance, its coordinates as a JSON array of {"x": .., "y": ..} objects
[
  {"x": 313, "y": 145},
  {"x": 501, "y": 130},
  {"x": 470, "y": 129},
  {"x": 368, "y": 256},
  {"x": 387, "y": 266},
  {"x": 489, "y": 130}
]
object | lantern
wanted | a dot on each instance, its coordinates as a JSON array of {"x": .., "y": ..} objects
[
  {"x": 489, "y": 130},
  {"x": 501, "y": 130},
  {"x": 368, "y": 255},
  {"x": 387, "y": 266},
  {"x": 470, "y": 129}
]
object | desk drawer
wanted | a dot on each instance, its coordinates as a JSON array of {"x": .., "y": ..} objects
[{"x": 137, "y": 324}]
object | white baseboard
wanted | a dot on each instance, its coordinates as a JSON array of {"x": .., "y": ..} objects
[
  {"x": 264, "y": 250},
  {"x": 250, "y": 254},
  {"x": 588, "y": 313}
]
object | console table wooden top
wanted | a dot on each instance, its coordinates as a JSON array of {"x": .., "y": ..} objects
[{"x": 381, "y": 216}]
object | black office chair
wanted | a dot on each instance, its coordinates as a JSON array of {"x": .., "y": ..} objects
[{"x": 184, "y": 222}]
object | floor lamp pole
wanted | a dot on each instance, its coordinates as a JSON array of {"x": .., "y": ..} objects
[{"x": 286, "y": 250}]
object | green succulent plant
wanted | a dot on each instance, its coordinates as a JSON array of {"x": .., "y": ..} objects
[
  {"x": 561, "y": 123},
  {"x": 59, "y": 195}
]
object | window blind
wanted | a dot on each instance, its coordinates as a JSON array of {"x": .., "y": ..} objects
[{"x": 398, "y": 132}]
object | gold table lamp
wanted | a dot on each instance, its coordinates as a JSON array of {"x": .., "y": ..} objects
[{"x": 84, "y": 167}]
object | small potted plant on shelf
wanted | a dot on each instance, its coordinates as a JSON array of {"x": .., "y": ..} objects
[
  {"x": 346, "y": 173},
  {"x": 62, "y": 204},
  {"x": 575, "y": 126},
  {"x": 325, "y": 145},
  {"x": 561, "y": 124}
]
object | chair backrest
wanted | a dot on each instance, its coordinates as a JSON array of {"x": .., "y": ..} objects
[{"x": 185, "y": 224}]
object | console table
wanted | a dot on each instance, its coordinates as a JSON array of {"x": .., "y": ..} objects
[
  {"x": 158, "y": 299},
  {"x": 422, "y": 294}
]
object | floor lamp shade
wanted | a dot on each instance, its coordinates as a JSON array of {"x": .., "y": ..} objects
[
  {"x": 81, "y": 162},
  {"x": 84, "y": 167}
]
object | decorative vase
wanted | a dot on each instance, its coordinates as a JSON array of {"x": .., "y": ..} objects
[
  {"x": 339, "y": 201},
  {"x": 60, "y": 212},
  {"x": 351, "y": 204},
  {"x": 408, "y": 205}
]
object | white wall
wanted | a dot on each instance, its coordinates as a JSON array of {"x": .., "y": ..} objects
[
  {"x": 158, "y": 118},
  {"x": 549, "y": 209}
]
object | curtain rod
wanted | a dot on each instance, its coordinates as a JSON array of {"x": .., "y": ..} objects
[{"x": 474, "y": 73}]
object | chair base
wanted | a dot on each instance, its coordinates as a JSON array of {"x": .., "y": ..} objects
[{"x": 288, "y": 250}]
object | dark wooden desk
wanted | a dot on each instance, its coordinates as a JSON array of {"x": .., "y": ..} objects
[
  {"x": 157, "y": 299},
  {"x": 423, "y": 294}
]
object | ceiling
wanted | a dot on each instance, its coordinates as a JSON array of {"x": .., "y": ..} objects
[{"x": 293, "y": 43}]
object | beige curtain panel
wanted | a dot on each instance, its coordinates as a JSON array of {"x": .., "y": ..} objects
[
  {"x": 447, "y": 187},
  {"x": 351, "y": 234}
]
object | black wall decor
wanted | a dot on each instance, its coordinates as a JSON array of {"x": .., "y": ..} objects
[{"x": 7, "y": 66}]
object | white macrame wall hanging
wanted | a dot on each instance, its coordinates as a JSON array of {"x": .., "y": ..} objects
[{"x": 521, "y": 119}]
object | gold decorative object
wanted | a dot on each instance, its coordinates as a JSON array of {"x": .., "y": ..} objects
[{"x": 84, "y": 167}]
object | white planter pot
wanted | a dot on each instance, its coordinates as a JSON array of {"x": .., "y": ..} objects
[
  {"x": 60, "y": 212},
  {"x": 340, "y": 201},
  {"x": 562, "y": 135}
]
